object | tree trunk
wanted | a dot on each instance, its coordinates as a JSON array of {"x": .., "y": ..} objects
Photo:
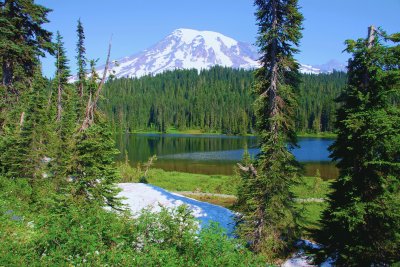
[
  {"x": 371, "y": 35},
  {"x": 59, "y": 94},
  {"x": 7, "y": 73},
  {"x": 273, "y": 89},
  {"x": 272, "y": 92},
  {"x": 80, "y": 88},
  {"x": 371, "y": 39},
  {"x": 59, "y": 105}
]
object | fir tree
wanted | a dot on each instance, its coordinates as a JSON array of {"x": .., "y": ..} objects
[
  {"x": 62, "y": 73},
  {"x": 80, "y": 57},
  {"x": 244, "y": 187},
  {"x": 22, "y": 39},
  {"x": 66, "y": 116},
  {"x": 272, "y": 226},
  {"x": 94, "y": 78},
  {"x": 95, "y": 174},
  {"x": 362, "y": 223},
  {"x": 28, "y": 149}
]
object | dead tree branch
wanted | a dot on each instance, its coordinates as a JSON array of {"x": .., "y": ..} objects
[
  {"x": 249, "y": 168},
  {"x": 92, "y": 104}
]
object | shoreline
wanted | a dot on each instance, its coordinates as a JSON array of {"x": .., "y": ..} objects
[{"x": 322, "y": 135}]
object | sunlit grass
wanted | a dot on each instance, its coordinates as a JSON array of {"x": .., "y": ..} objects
[{"x": 310, "y": 193}]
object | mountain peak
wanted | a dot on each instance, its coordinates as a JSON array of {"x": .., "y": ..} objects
[
  {"x": 187, "y": 49},
  {"x": 189, "y": 35},
  {"x": 193, "y": 49}
]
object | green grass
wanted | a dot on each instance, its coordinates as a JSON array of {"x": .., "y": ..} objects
[
  {"x": 181, "y": 181},
  {"x": 308, "y": 188},
  {"x": 318, "y": 135},
  {"x": 173, "y": 130},
  {"x": 310, "y": 216},
  {"x": 311, "y": 187}
]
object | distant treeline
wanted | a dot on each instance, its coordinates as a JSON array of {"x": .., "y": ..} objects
[{"x": 216, "y": 100}]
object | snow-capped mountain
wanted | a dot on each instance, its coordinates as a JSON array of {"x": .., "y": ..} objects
[
  {"x": 188, "y": 49},
  {"x": 331, "y": 66}
]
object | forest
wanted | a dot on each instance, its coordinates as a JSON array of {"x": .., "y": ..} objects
[
  {"x": 217, "y": 100},
  {"x": 60, "y": 184}
]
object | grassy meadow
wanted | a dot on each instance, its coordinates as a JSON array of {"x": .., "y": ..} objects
[{"x": 310, "y": 193}]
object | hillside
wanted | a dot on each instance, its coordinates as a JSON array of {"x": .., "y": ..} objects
[{"x": 215, "y": 100}]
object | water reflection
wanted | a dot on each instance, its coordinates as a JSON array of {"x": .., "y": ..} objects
[{"x": 215, "y": 154}]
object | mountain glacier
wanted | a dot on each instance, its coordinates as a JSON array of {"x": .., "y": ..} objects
[{"x": 192, "y": 49}]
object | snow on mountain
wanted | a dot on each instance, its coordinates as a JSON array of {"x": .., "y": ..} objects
[
  {"x": 309, "y": 69},
  {"x": 331, "y": 66},
  {"x": 188, "y": 49}
]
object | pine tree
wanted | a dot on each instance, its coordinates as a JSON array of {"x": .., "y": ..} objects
[
  {"x": 94, "y": 78},
  {"x": 62, "y": 73},
  {"x": 362, "y": 222},
  {"x": 273, "y": 225},
  {"x": 66, "y": 119},
  {"x": 27, "y": 150},
  {"x": 245, "y": 184},
  {"x": 95, "y": 174},
  {"x": 22, "y": 39},
  {"x": 80, "y": 57}
]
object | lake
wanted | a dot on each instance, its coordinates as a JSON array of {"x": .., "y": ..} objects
[{"x": 215, "y": 154}]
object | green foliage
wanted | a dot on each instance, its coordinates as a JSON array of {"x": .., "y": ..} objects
[
  {"x": 180, "y": 181},
  {"x": 75, "y": 232},
  {"x": 26, "y": 146},
  {"x": 317, "y": 108},
  {"x": 58, "y": 184},
  {"x": 94, "y": 174},
  {"x": 218, "y": 100},
  {"x": 22, "y": 40},
  {"x": 305, "y": 189},
  {"x": 183, "y": 99},
  {"x": 271, "y": 223},
  {"x": 64, "y": 98},
  {"x": 62, "y": 72},
  {"x": 80, "y": 57},
  {"x": 362, "y": 223},
  {"x": 244, "y": 190}
]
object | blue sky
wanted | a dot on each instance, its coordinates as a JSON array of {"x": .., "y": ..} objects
[{"x": 138, "y": 24}]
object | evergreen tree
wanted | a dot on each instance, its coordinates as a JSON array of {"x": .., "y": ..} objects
[
  {"x": 80, "y": 57},
  {"x": 27, "y": 150},
  {"x": 66, "y": 118},
  {"x": 62, "y": 73},
  {"x": 95, "y": 174},
  {"x": 362, "y": 223},
  {"x": 94, "y": 79},
  {"x": 22, "y": 39},
  {"x": 244, "y": 189},
  {"x": 214, "y": 100},
  {"x": 272, "y": 225}
]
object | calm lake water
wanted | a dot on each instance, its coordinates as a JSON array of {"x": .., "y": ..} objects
[{"x": 215, "y": 154}]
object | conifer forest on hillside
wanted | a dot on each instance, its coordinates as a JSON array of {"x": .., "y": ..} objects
[{"x": 61, "y": 187}]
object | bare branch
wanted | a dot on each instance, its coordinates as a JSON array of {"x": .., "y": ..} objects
[
  {"x": 249, "y": 168},
  {"x": 21, "y": 120},
  {"x": 91, "y": 105}
]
